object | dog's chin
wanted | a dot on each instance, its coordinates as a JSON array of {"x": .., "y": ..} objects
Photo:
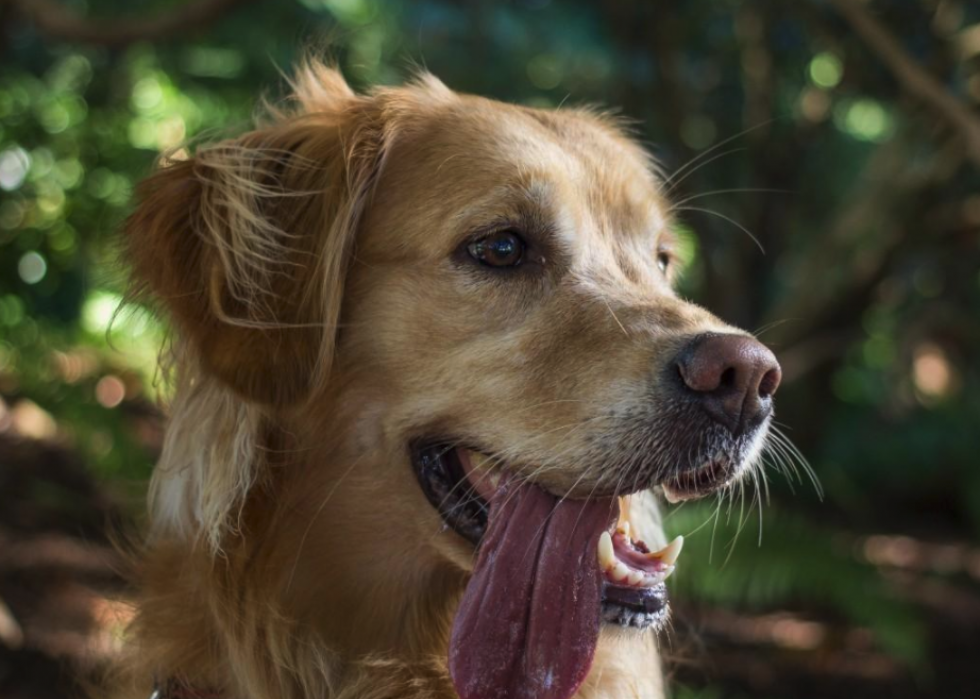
[{"x": 460, "y": 483}]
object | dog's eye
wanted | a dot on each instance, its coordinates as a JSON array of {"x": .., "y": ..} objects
[
  {"x": 500, "y": 249},
  {"x": 663, "y": 261}
]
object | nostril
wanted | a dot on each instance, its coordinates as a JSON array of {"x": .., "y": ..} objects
[
  {"x": 728, "y": 377},
  {"x": 732, "y": 376},
  {"x": 769, "y": 383}
]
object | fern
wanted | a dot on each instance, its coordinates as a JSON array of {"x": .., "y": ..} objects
[{"x": 797, "y": 560}]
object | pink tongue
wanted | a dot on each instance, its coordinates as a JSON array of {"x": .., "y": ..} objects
[{"x": 528, "y": 624}]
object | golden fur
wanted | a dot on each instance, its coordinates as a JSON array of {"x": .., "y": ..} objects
[{"x": 323, "y": 322}]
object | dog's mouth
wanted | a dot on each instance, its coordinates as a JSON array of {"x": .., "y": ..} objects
[
  {"x": 459, "y": 483},
  {"x": 549, "y": 572},
  {"x": 459, "y": 493}
]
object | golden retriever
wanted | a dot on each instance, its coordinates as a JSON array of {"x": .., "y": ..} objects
[{"x": 431, "y": 377}]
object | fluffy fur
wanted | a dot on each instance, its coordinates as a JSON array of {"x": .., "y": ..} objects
[{"x": 326, "y": 317}]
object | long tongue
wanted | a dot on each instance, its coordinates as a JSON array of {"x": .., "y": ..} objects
[{"x": 528, "y": 624}]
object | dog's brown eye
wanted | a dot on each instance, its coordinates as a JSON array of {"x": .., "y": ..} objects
[
  {"x": 500, "y": 249},
  {"x": 663, "y": 261}
]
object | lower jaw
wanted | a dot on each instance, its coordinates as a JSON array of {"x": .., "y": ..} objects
[
  {"x": 631, "y": 618},
  {"x": 638, "y": 609}
]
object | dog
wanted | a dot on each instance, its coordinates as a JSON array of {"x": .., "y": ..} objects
[{"x": 431, "y": 381}]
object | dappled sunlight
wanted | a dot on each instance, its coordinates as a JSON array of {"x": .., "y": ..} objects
[
  {"x": 933, "y": 374},
  {"x": 31, "y": 420},
  {"x": 820, "y": 162},
  {"x": 924, "y": 556}
]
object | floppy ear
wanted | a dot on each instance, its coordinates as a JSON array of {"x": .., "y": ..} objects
[{"x": 247, "y": 242}]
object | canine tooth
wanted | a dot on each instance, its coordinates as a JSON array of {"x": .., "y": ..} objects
[
  {"x": 673, "y": 551},
  {"x": 619, "y": 572},
  {"x": 669, "y": 553},
  {"x": 624, "y": 511},
  {"x": 666, "y": 574},
  {"x": 607, "y": 559},
  {"x": 624, "y": 527},
  {"x": 635, "y": 577},
  {"x": 675, "y": 496}
]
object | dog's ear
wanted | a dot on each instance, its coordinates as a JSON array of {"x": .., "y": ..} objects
[{"x": 246, "y": 243}]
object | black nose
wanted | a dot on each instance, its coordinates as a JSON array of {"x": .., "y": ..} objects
[{"x": 733, "y": 377}]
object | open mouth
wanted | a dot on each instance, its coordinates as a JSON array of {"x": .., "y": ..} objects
[
  {"x": 452, "y": 491},
  {"x": 549, "y": 572},
  {"x": 460, "y": 483}
]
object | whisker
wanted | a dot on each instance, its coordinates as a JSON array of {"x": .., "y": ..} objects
[
  {"x": 673, "y": 183},
  {"x": 672, "y": 178},
  {"x": 319, "y": 510},
  {"x": 780, "y": 437},
  {"x": 725, "y": 218},
  {"x": 738, "y": 190},
  {"x": 769, "y": 326}
]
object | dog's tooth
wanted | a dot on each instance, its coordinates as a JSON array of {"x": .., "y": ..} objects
[
  {"x": 673, "y": 550},
  {"x": 673, "y": 496},
  {"x": 654, "y": 579},
  {"x": 635, "y": 577},
  {"x": 607, "y": 558},
  {"x": 666, "y": 574},
  {"x": 624, "y": 528},
  {"x": 669, "y": 553},
  {"x": 619, "y": 572},
  {"x": 625, "y": 502}
]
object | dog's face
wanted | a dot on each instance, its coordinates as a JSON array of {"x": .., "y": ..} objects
[
  {"x": 512, "y": 294},
  {"x": 491, "y": 295}
]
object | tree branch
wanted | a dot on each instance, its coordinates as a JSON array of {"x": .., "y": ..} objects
[
  {"x": 916, "y": 80},
  {"x": 56, "y": 21}
]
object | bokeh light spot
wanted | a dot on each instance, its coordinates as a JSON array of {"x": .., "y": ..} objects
[
  {"x": 866, "y": 120},
  {"x": 545, "y": 71},
  {"x": 98, "y": 310},
  {"x": 814, "y": 104},
  {"x": 931, "y": 371},
  {"x": 31, "y": 420},
  {"x": 14, "y": 165},
  {"x": 32, "y": 267},
  {"x": 147, "y": 94},
  {"x": 826, "y": 70},
  {"x": 110, "y": 391},
  {"x": 11, "y": 214},
  {"x": 698, "y": 131},
  {"x": 11, "y": 310}
]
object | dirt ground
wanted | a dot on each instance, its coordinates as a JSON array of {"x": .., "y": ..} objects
[{"x": 63, "y": 610}]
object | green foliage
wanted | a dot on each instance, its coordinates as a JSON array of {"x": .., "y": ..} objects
[
  {"x": 868, "y": 212},
  {"x": 735, "y": 561}
]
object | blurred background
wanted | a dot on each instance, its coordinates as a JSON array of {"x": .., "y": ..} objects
[{"x": 825, "y": 160}]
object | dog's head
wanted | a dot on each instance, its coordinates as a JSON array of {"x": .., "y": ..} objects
[{"x": 461, "y": 312}]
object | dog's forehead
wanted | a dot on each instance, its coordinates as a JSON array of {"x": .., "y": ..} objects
[
  {"x": 576, "y": 154},
  {"x": 474, "y": 163}
]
